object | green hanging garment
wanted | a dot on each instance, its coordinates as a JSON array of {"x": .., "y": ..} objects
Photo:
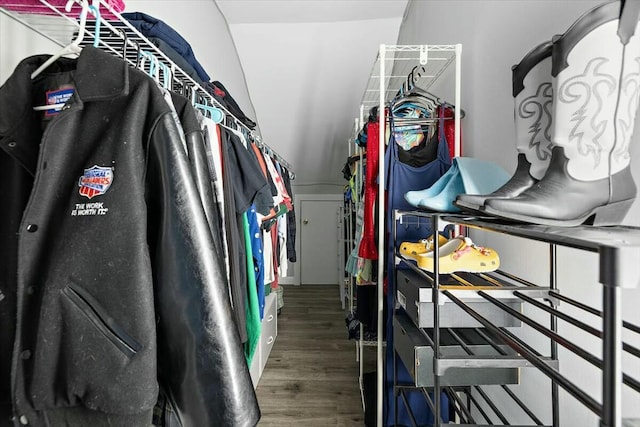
[{"x": 253, "y": 309}]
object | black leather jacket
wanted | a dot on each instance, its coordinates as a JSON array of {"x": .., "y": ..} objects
[{"x": 107, "y": 260}]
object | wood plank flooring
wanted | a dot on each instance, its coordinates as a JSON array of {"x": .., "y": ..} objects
[{"x": 311, "y": 377}]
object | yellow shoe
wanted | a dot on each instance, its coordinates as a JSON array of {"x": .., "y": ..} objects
[
  {"x": 461, "y": 254},
  {"x": 412, "y": 250}
]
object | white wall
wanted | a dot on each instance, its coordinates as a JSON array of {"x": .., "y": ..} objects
[
  {"x": 307, "y": 80},
  {"x": 495, "y": 35},
  {"x": 16, "y": 43},
  {"x": 202, "y": 24}
]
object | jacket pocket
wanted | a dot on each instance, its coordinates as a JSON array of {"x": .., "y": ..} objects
[{"x": 98, "y": 316}]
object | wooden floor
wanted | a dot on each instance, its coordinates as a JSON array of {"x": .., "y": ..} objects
[{"x": 311, "y": 377}]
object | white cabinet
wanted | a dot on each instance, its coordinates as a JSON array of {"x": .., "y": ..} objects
[{"x": 269, "y": 331}]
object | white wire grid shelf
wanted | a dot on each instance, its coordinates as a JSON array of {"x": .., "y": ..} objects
[{"x": 118, "y": 37}]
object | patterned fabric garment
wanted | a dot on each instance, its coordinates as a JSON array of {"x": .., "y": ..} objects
[{"x": 408, "y": 137}]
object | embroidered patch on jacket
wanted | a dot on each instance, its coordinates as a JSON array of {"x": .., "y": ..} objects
[{"x": 95, "y": 181}]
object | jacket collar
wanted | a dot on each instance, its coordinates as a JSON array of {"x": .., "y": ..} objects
[
  {"x": 101, "y": 76},
  {"x": 98, "y": 76}
]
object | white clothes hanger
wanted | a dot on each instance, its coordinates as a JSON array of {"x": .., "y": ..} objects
[{"x": 74, "y": 46}]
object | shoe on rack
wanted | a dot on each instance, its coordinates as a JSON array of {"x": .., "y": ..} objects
[
  {"x": 533, "y": 102},
  {"x": 412, "y": 250},
  {"x": 596, "y": 81},
  {"x": 415, "y": 197},
  {"x": 461, "y": 254},
  {"x": 466, "y": 175}
]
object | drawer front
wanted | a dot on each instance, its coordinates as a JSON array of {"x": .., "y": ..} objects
[
  {"x": 417, "y": 355},
  {"x": 269, "y": 328},
  {"x": 411, "y": 285}
]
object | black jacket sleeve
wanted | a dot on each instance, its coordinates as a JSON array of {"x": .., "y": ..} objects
[{"x": 200, "y": 361}]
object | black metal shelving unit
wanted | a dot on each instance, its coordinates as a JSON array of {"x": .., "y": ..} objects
[{"x": 453, "y": 330}]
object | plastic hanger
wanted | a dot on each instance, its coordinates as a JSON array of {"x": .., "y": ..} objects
[
  {"x": 74, "y": 46},
  {"x": 96, "y": 12},
  {"x": 76, "y": 43},
  {"x": 166, "y": 76},
  {"x": 144, "y": 56},
  {"x": 125, "y": 41},
  {"x": 215, "y": 114}
]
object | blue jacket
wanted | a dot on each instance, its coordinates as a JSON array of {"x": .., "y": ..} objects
[{"x": 153, "y": 27}]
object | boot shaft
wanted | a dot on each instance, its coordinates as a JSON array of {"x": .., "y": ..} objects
[
  {"x": 595, "y": 89},
  {"x": 533, "y": 99}
]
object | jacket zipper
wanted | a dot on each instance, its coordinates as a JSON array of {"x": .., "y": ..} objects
[{"x": 100, "y": 321}]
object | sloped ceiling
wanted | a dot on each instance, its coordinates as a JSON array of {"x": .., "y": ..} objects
[{"x": 307, "y": 63}]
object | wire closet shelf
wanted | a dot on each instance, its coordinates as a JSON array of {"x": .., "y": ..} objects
[{"x": 114, "y": 34}]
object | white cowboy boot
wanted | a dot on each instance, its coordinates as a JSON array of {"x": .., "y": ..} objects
[
  {"x": 532, "y": 95},
  {"x": 596, "y": 69}
]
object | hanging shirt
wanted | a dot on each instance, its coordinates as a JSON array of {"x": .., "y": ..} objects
[
  {"x": 267, "y": 244},
  {"x": 282, "y": 247},
  {"x": 263, "y": 167},
  {"x": 242, "y": 181},
  {"x": 291, "y": 221},
  {"x": 258, "y": 256},
  {"x": 368, "y": 246},
  {"x": 253, "y": 308},
  {"x": 264, "y": 200}
]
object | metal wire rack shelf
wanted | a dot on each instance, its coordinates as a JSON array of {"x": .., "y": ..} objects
[{"x": 117, "y": 36}]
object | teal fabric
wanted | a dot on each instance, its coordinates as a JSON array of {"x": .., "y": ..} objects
[{"x": 466, "y": 176}]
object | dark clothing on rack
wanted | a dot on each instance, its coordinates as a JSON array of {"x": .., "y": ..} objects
[
  {"x": 221, "y": 93},
  {"x": 367, "y": 304},
  {"x": 242, "y": 182},
  {"x": 153, "y": 27},
  {"x": 291, "y": 220},
  {"x": 197, "y": 154},
  {"x": 264, "y": 199},
  {"x": 361, "y": 139},
  {"x": 346, "y": 170},
  {"x": 177, "y": 59},
  {"x": 421, "y": 154},
  {"x": 235, "y": 239},
  {"x": 106, "y": 259},
  {"x": 248, "y": 181},
  {"x": 263, "y": 167}
]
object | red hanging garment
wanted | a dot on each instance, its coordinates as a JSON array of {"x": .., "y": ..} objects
[
  {"x": 449, "y": 128},
  {"x": 368, "y": 247}
]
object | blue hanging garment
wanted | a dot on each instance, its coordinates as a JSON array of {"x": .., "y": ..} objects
[{"x": 401, "y": 178}]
